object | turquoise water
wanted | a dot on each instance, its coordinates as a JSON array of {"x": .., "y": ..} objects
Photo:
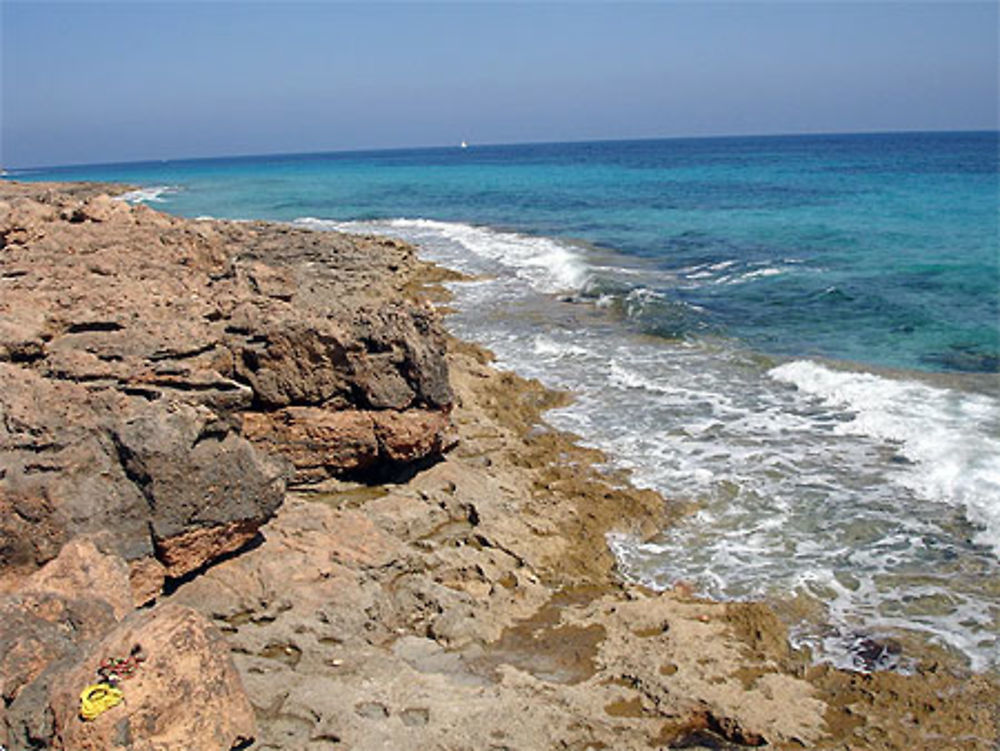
[
  {"x": 871, "y": 248},
  {"x": 799, "y": 336}
]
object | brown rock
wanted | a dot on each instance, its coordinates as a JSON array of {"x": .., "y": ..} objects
[
  {"x": 31, "y": 533},
  {"x": 41, "y": 628},
  {"x": 22, "y": 334},
  {"x": 196, "y": 472},
  {"x": 318, "y": 442},
  {"x": 185, "y": 695},
  {"x": 270, "y": 281},
  {"x": 189, "y": 550},
  {"x": 323, "y": 443},
  {"x": 75, "y": 461},
  {"x": 146, "y": 577},
  {"x": 408, "y": 436},
  {"x": 103, "y": 208},
  {"x": 100, "y": 208},
  {"x": 22, "y": 221},
  {"x": 403, "y": 363},
  {"x": 74, "y": 598},
  {"x": 81, "y": 569},
  {"x": 60, "y": 474},
  {"x": 295, "y": 363},
  {"x": 122, "y": 374}
]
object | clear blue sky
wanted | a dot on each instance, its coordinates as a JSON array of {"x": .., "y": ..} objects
[{"x": 95, "y": 82}]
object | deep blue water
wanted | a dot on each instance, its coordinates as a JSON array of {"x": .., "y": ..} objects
[
  {"x": 876, "y": 249},
  {"x": 797, "y": 335}
]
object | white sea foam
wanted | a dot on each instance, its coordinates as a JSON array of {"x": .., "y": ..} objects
[
  {"x": 153, "y": 194},
  {"x": 701, "y": 270},
  {"x": 732, "y": 272},
  {"x": 950, "y": 438},
  {"x": 626, "y": 378},
  {"x": 548, "y": 265},
  {"x": 749, "y": 276},
  {"x": 793, "y": 500},
  {"x": 548, "y": 347}
]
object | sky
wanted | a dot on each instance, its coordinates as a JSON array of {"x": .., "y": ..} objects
[{"x": 85, "y": 82}]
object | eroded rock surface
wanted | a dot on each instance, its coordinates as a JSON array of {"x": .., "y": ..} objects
[
  {"x": 476, "y": 607},
  {"x": 161, "y": 383},
  {"x": 161, "y": 379},
  {"x": 185, "y": 694},
  {"x": 74, "y": 614}
]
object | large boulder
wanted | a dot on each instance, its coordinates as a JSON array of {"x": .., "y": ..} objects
[
  {"x": 201, "y": 481},
  {"x": 60, "y": 475},
  {"x": 184, "y": 694},
  {"x": 70, "y": 602},
  {"x": 148, "y": 474}
]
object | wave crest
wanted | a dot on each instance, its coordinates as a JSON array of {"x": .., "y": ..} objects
[
  {"x": 547, "y": 264},
  {"x": 153, "y": 194},
  {"x": 948, "y": 437}
]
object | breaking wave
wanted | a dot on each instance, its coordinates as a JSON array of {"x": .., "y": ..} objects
[
  {"x": 949, "y": 438},
  {"x": 153, "y": 194}
]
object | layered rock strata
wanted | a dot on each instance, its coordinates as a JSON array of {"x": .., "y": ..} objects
[
  {"x": 161, "y": 379},
  {"x": 161, "y": 383}
]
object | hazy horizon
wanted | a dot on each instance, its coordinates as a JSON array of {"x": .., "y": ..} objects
[
  {"x": 446, "y": 146},
  {"x": 100, "y": 83}
]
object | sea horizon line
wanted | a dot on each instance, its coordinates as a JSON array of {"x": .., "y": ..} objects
[{"x": 7, "y": 171}]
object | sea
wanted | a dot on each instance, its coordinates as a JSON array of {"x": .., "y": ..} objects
[{"x": 796, "y": 339}]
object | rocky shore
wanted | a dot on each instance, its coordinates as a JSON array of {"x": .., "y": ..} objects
[{"x": 247, "y": 461}]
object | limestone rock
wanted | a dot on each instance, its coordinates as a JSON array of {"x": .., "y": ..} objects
[
  {"x": 195, "y": 472},
  {"x": 74, "y": 461},
  {"x": 42, "y": 628},
  {"x": 318, "y": 442},
  {"x": 75, "y": 598},
  {"x": 186, "y": 694},
  {"x": 407, "y": 436},
  {"x": 60, "y": 475},
  {"x": 323, "y": 443},
  {"x": 134, "y": 345},
  {"x": 295, "y": 364},
  {"x": 146, "y": 577}
]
